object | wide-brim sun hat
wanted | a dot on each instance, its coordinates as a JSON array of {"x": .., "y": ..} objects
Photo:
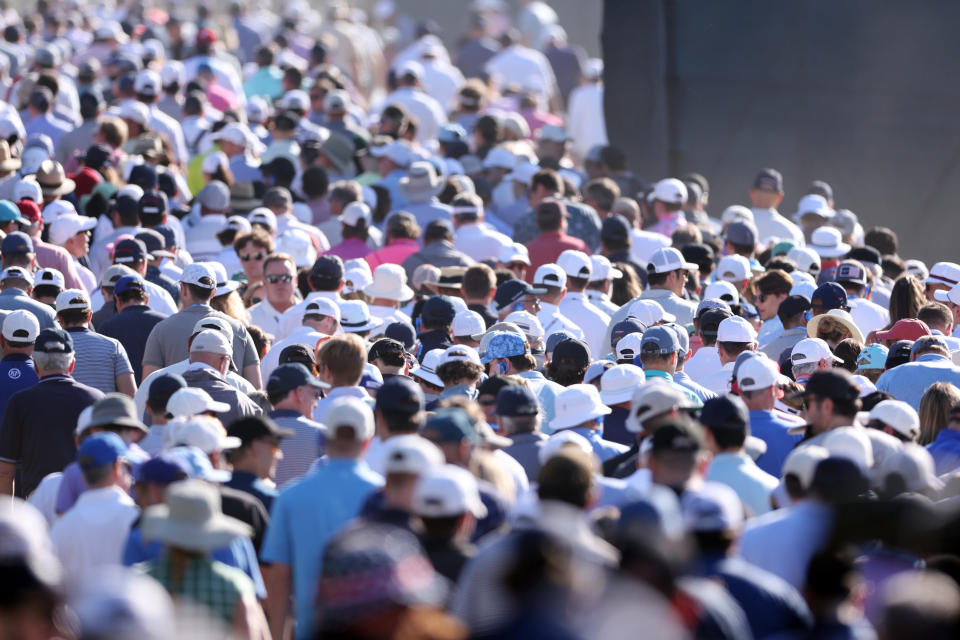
[
  {"x": 191, "y": 519},
  {"x": 837, "y": 315},
  {"x": 390, "y": 286}
]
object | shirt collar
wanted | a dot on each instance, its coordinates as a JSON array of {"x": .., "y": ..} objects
[
  {"x": 347, "y": 392},
  {"x": 657, "y": 373},
  {"x": 285, "y": 413},
  {"x": 200, "y": 366},
  {"x": 931, "y": 357}
]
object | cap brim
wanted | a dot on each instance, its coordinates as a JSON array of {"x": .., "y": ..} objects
[
  {"x": 319, "y": 384},
  {"x": 283, "y": 433},
  {"x": 230, "y": 442},
  {"x": 689, "y": 266},
  {"x": 941, "y": 295},
  {"x": 231, "y": 285}
]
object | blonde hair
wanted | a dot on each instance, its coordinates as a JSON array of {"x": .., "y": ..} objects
[
  {"x": 344, "y": 357},
  {"x": 232, "y": 305},
  {"x": 935, "y": 409}
]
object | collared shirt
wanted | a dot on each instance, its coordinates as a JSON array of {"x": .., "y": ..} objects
[
  {"x": 16, "y": 300},
  {"x": 91, "y": 536},
  {"x": 668, "y": 223},
  {"x": 46, "y": 124},
  {"x": 787, "y": 339},
  {"x": 215, "y": 586},
  {"x": 945, "y": 450},
  {"x": 395, "y": 252},
  {"x": 100, "y": 360},
  {"x": 300, "y": 450},
  {"x": 739, "y": 472},
  {"x": 479, "y": 241},
  {"x": 702, "y": 364},
  {"x": 908, "y": 382},
  {"x": 552, "y": 321},
  {"x": 652, "y": 374},
  {"x": 769, "y": 330},
  {"x": 770, "y": 224},
  {"x": 685, "y": 381},
  {"x": 604, "y": 449},
  {"x": 167, "y": 343},
  {"x": 16, "y": 373},
  {"x": 589, "y": 318},
  {"x": 601, "y": 301},
  {"x": 265, "y": 315},
  {"x": 546, "y": 392},
  {"x": 783, "y": 541},
  {"x": 773, "y": 430},
  {"x": 38, "y": 427},
  {"x": 583, "y": 223},
  {"x": 320, "y": 413},
  {"x": 302, "y": 335},
  {"x": 526, "y": 450},
  {"x": 548, "y": 246},
  {"x": 250, "y": 483},
  {"x": 293, "y": 317},
  {"x": 305, "y": 516},
  {"x": 719, "y": 381}
]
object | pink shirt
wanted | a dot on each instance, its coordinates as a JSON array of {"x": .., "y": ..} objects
[
  {"x": 50, "y": 256},
  {"x": 394, "y": 253},
  {"x": 349, "y": 249}
]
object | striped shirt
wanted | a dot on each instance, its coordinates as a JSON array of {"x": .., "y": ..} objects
[
  {"x": 99, "y": 359},
  {"x": 301, "y": 450}
]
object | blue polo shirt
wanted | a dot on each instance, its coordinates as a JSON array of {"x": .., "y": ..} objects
[
  {"x": 304, "y": 517},
  {"x": 16, "y": 374},
  {"x": 773, "y": 430},
  {"x": 945, "y": 450},
  {"x": 604, "y": 449},
  {"x": 15, "y": 300},
  {"x": 908, "y": 382},
  {"x": 131, "y": 328}
]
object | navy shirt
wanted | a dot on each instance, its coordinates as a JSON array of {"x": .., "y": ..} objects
[
  {"x": 16, "y": 374},
  {"x": 431, "y": 340},
  {"x": 615, "y": 427},
  {"x": 250, "y": 483},
  {"x": 131, "y": 328},
  {"x": 155, "y": 276},
  {"x": 38, "y": 427}
]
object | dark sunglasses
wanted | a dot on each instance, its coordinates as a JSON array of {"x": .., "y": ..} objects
[
  {"x": 260, "y": 255},
  {"x": 274, "y": 279}
]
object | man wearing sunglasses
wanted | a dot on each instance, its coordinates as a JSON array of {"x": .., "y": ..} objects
[{"x": 280, "y": 287}]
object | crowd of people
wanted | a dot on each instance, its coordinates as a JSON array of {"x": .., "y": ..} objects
[{"x": 354, "y": 331}]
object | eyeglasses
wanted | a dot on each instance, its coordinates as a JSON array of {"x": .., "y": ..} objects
[
  {"x": 285, "y": 278},
  {"x": 260, "y": 255},
  {"x": 317, "y": 393},
  {"x": 487, "y": 401}
]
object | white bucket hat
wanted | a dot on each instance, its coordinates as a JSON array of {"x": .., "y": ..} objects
[
  {"x": 618, "y": 383},
  {"x": 577, "y": 404},
  {"x": 389, "y": 282},
  {"x": 191, "y": 519},
  {"x": 355, "y": 317}
]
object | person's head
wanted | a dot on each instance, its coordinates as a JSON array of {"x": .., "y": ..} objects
[
  {"x": 929, "y": 345},
  {"x": 17, "y": 250},
  {"x": 197, "y": 284},
  {"x": 936, "y": 405},
  {"x": 544, "y": 184},
  {"x": 460, "y": 366},
  {"x": 447, "y": 500},
  {"x": 792, "y": 311},
  {"x": 326, "y": 274},
  {"x": 919, "y": 604},
  {"x": 437, "y": 314},
  {"x": 340, "y": 360},
  {"x": 53, "y": 352},
  {"x": 162, "y": 388},
  {"x": 73, "y": 308},
  {"x": 279, "y": 280},
  {"x": 568, "y": 477},
  {"x": 551, "y": 215},
  {"x": 895, "y": 418},
  {"x": 479, "y": 284},
  {"x": 212, "y": 348},
  {"x": 453, "y": 432},
  {"x": 348, "y": 429},
  {"x": 773, "y": 287},
  {"x": 399, "y": 407},
  {"x": 676, "y": 453},
  {"x": 734, "y": 336},
  {"x": 937, "y": 316},
  {"x": 831, "y": 399},
  {"x": 292, "y": 386},
  {"x": 809, "y": 356},
  {"x": 259, "y": 450},
  {"x": 516, "y": 295},
  {"x": 18, "y": 332},
  {"x": 767, "y": 189},
  {"x": 668, "y": 270},
  {"x": 517, "y": 410},
  {"x": 103, "y": 461},
  {"x": 601, "y": 194},
  {"x": 467, "y": 209},
  {"x": 906, "y": 298},
  {"x": 402, "y": 226},
  {"x": 757, "y": 380},
  {"x": 727, "y": 421},
  {"x": 252, "y": 250},
  {"x": 568, "y": 362},
  {"x": 659, "y": 349}
]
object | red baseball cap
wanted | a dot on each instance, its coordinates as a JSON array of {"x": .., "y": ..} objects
[
  {"x": 906, "y": 329},
  {"x": 29, "y": 210},
  {"x": 206, "y": 36}
]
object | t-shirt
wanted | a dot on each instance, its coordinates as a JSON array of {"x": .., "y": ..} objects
[
  {"x": 167, "y": 342},
  {"x": 99, "y": 359}
]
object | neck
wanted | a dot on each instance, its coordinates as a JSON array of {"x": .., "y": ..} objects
[
  {"x": 384, "y": 302},
  {"x": 480, "y": 301},
  {"x": 281, "y": 305},
  {"x": 46, "y": 373}
]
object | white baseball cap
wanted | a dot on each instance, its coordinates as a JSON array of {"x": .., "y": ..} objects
[
  {"x": 802, "y": 463},
  {"x": 398, "y": 152},
  {"x": 628, "y": 347},
  {"x": 500, "y": 158},
  {"x": 356, "y": 279},
  {"x": 736, "y": 213},
  {"x": 527, "y": 322},
  {"x": 953, "y": 295},
  {"x": 56, "y": 209},
  {"x": 263, "y": 216},
  {"x": 410, "y": 453},
  {"x": 135, "y": 111},
  {"x": 514, "y": 252},
  {"x": 550, "y": 274},
  {"x": 211, "y": 341},
  {"x": 20, "y": 326},
  {"x": 815, "y": 204},
  {"x": 192, "y": 401},
  {"x": 649, "y": 313},
  {"x": 576, "y": 264},
  {"x": 469, "y": 324},
  {"x": 653, "y": 398},
  {"x": 147, "y": 82},
  {"x": 808, "y": 260},
  {"x": 354, "y": 213},
  {"x": 49, "y": 276},
  {"x": 26, "y": 189},
  {"x": 172, "y": 72},
  {"x": 204, "y": 433},
  {"x": 72, "y": 299},
  {"x": 295, "y": 99},
  {"x": 558, "y": 441},
  {"x": 899, "y": 416},
  {"x": 947, "y": 273},
  {"x": 234, "y": 133},
  {"x": 757, "y": 373},
  {"x": 297, "y": 244},
  {"x": 722, "y": 290},
  {"x": 617, "y": 383},
  {"x": 733, "y": 268},
  {"x": 352, "y": 413},
  {"x": 199, "y": 274},
  {"x": 577, "y": 404},
  {"x": 670, "y": 190},
  {"x": 19, "y": 273},
  {"x": 915, "y": 466},
  {"x": 811, "y": 350},
  {"x": 215, "y": 323},
  {"x": 68, "y": 225},
  {"x": 667, "y": 259},
  {"x": 601, "y": 269},
  {"x": 736, "y": 329},
  {"x": 446, "y": 491},
  {"x": 851, "y": 443},
  {"x": 323, "y": 307},
  {"x": 459, "y": 353}
]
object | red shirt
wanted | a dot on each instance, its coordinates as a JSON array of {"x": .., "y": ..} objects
[
  {"x": 548, "y": 246},
  {"x": 394, "y": 253}
]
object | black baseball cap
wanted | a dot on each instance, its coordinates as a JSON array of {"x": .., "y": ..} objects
[
  {"x": 153, "y": 204},
  {"x": 821, "y": 188},
  {"x": 130, "y": 250},
  {"x": 556, "y": 338},
  {"x": 571, "y": 351},
  {"x": 836, "y": 384},
  {"x": 513, "y": 290},
  {"x": 298, "y": 353},
  {"x": 710, "y": 320},
  {"x": 144, "y": 176},
  {"x": 400, "y": 394},
  {"x": 328, "y": 268},
  {"x": 98, "y": 156},
  {"x": 383, "y": 347},
  {"x": 253, "y": 428},
  {"x": 793, "y": 306},
  {"x": 725, "y": 412},
  {"x": 898, "y": 354},
  {"x": 155, "y": 243},
  {"x": 164, "y": 386},
  {"x": 402, "y": 332},
  {"x": 614, "y": 227},
  {"x": 829, "y": 295},
  {"x": 438, "y": 309},
  {"x": 865, "y": 255},
  {"x": 290, "y": 376},
  {"x": 768, "y": 180},
  {"x": 699, "y": 254},
  {"x": 517, "y": 400},
  {"x": 677, "y": 437}
]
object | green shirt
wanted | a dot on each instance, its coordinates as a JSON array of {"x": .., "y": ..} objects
[{"x": 203, "y": 581}]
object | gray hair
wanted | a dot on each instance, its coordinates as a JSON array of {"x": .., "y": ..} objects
[
  {"x": 807, "y": 368},
  {"x": 519, "y": 424},
  {"x": 52, "y": 361}
]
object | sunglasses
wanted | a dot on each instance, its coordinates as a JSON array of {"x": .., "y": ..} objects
[
  {"x": 260, "y": 255},
  {"x": 285, "y": 278}
]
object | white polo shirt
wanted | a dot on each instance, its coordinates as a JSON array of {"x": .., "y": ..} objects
[{"x": 590, "y": 319}]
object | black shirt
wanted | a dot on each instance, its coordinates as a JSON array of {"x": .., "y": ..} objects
[
  {"x": 488, "y": 318},
  {"x": 131, "y": 328},
  {"x": 431, "y": 340},
  {"x": 38, "y": 428},
  {"x": 447, "y": 555},
  {"x": 244, "y": 507}
]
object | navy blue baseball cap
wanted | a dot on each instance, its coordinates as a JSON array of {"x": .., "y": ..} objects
[
  {"x": 16, "y": 242},
  {"x": 899, "y": 353},
  {"x": 402, "y": 332},
  {"x": 130, "y": 250},
  {"x": 101, "y": 449},
  {"x": 164, "y": 386},
  {"x": 290, "y": 376},
  {"x": 556, "y": 338},
  {"x": 829, "y": 295},
  {"x": 516, "y": 400},
  {"x": 725, "y": 412},
  {"x": 438, "y": 309},
  {"x": 144, "y": 176},
  {"x": 400, "y": 394},
  {"x": 659, "y": 340},
  {"x": 327, "y": 268},
  {"x": 513, "y": 290},
  {"x": 169, "y": 235},
  {"x": 163, "y": 470},
  {"x": 53, "y": 341},
  {"x": 622, "y": 328},
  {"x": 299, "y": 353},
  {"x": 449, "y": 426},
  {"x": 129, "y": 283}
]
